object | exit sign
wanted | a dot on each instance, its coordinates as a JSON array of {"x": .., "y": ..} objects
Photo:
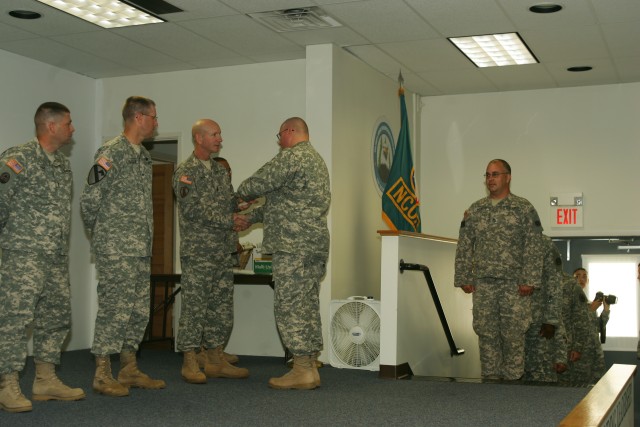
[{"x": 566, "y": 216}]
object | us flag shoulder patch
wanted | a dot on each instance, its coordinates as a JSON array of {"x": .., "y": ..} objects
[
  {"x": 15, "y": 165},
  {"x": 185, "y": 180},
  {"x": 105, "y": 163}
]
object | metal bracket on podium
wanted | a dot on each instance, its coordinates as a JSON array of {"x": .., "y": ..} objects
[{"x": 455, "y": 351}]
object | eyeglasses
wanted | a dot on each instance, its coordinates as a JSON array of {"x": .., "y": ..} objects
[
  {"x": 494, "y": 174},
  {"x": 279, "y": 134},
  {"x": 149, "y": 115}
]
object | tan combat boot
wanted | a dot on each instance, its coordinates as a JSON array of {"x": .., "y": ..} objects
[
  {"x": 191, "y": 372},
  {"x": 11, "y": 397},
  {"x": 314, "y": 367},
  {"x": 103, "y": 381},
  {"x": 301, "y": 377},
  {"x": 218, "y": 367},
  {"x": 131, "y": 376},
  {"x": 47, "y": 386},
  {"x": 202, "y": 357}
]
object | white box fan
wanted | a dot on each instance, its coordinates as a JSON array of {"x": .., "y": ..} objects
[{"x": 354, "y": 333}]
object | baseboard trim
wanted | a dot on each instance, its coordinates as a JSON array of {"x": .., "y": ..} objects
[{"x": 395, "y": 372}]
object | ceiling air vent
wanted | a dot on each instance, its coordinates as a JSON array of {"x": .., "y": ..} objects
[{"x": 297, "y": 19}]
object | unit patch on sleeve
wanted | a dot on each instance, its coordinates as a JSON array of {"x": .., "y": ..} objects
[{"x": 96, "y": 174}]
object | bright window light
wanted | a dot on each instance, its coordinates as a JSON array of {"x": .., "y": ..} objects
[
  {"x": 616, "y": 275},
  {"x": 495, "y": 50},
  {"x": 105, "y": 13}
]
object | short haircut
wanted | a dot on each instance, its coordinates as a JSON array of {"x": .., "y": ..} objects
[
  {"x": 48, "y": 111},
  {"x": 578, "y": 269},
  {"x": 298, "y": 124},
  {"x": 504, "y": 164},
  {"x": 134, "y": 105}
]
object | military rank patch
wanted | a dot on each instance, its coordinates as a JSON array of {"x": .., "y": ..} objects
[
  {"x": 185, "y": 180},
  {"x": 4, "y": 177},
  {"x": 105, "y": 163},
  {"x": 96, "y": 174},
  {"x": 184, "y": 191},
  {"x": 15, "y": 165}
]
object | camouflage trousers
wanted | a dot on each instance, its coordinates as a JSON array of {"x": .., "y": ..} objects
[
  {"x": 501, "y": 318},
  {"x": 123, "y": 303},
  {"x": 206, "y": 314},
  {"x": 539, "y": 363},
  {"x": 34, "y": 291},
  {"x": 297, "y": 303}
]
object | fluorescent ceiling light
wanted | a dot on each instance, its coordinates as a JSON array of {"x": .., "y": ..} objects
[
  {"x": 105, "y": 13},
  {"x": 495, "y": 50}
]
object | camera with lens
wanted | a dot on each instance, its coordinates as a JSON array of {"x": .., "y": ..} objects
[{"x": 609, "y": 299}]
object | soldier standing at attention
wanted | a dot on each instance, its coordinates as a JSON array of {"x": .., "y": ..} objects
[
  {"x": 208, "y": 225},
  {"x": 545, "y": 342},
  {"x": 497, "y": 260},
  {"x": 117, "y": 211},
  {"x": 296, "y": 186},
  {"x": 35, "y": 219}
]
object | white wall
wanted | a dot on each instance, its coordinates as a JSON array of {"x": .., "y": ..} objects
[
  {"x": 582, "y": 139},
  {"x": 26, "y": 85},
  {"x": 361, "y": 96}
]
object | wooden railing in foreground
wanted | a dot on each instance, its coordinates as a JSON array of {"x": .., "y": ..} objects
[{"x": 609, "y": 403}]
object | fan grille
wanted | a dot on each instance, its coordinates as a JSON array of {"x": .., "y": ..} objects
[{"x": 355, "y": 334}]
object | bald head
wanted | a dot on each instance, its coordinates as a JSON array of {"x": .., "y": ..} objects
[
  {"x": 292, "y": 131},
  {"x": 207, "y": 138}
]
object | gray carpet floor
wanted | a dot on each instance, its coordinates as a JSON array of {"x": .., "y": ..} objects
[{"x": 347, "y": 397}]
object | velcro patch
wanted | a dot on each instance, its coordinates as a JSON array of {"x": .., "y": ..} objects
[
  {"x": 15, "y": 165},
  {"x": 96, "y": 174},
  {"x": 105, "y": 163},
  {"x": 185, "y": 179}
]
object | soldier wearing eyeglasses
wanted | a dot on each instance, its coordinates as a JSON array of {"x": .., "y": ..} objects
[{"x": 499, "y": 263}]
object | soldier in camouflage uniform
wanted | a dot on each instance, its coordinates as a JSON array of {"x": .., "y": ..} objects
[
  {"x": 208, "y": 221},
  {"x": 497, "y": 261},
  {"x": 543, "y": 358},
  {"x": 591, "y": 366},
  {"x": 296, "y": 186},
  {"x": 117, "y": 211},
  {"x": 579, "y": 334},
  {"x": 35, "y": 218}
]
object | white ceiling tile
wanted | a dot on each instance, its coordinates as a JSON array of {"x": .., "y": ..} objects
[
  {"x": 427, "y": 55},
  {"x": 462, "y": 18},
  {"x": 241, "y": 34},
  {"x": 382, "y": 20},
  {"x": 388, "y": 35}
]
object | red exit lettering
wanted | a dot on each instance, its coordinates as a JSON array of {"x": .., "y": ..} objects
[{"x": 566, "y": 216}]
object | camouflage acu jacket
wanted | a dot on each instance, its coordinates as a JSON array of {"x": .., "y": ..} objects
[
  {"x": 295, "y": 184},
  {"x": 206, "y": 204},
  {"x": 35, "y": 200},
  {"x": 499, "y": 242},
  {"x": 116, "y": 204}
]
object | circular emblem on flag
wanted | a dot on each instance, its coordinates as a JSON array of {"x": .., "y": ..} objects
[{"x": 383, "y": 148}]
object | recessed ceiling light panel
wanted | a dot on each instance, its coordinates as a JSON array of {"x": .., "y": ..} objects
[
  {"x": 105, "y": 13},
  {"x": 495, "y": 50}
]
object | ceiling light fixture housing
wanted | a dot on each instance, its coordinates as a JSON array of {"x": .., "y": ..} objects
[
  {"x": 545, "y": 8},
  {"x": 580, "y": 68},
  {"x": 297, "y": 19},
  {"x": 105, "y": 13},
  {"x": 495, "y": 50},
  {"x": 24, "y": 14}
]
